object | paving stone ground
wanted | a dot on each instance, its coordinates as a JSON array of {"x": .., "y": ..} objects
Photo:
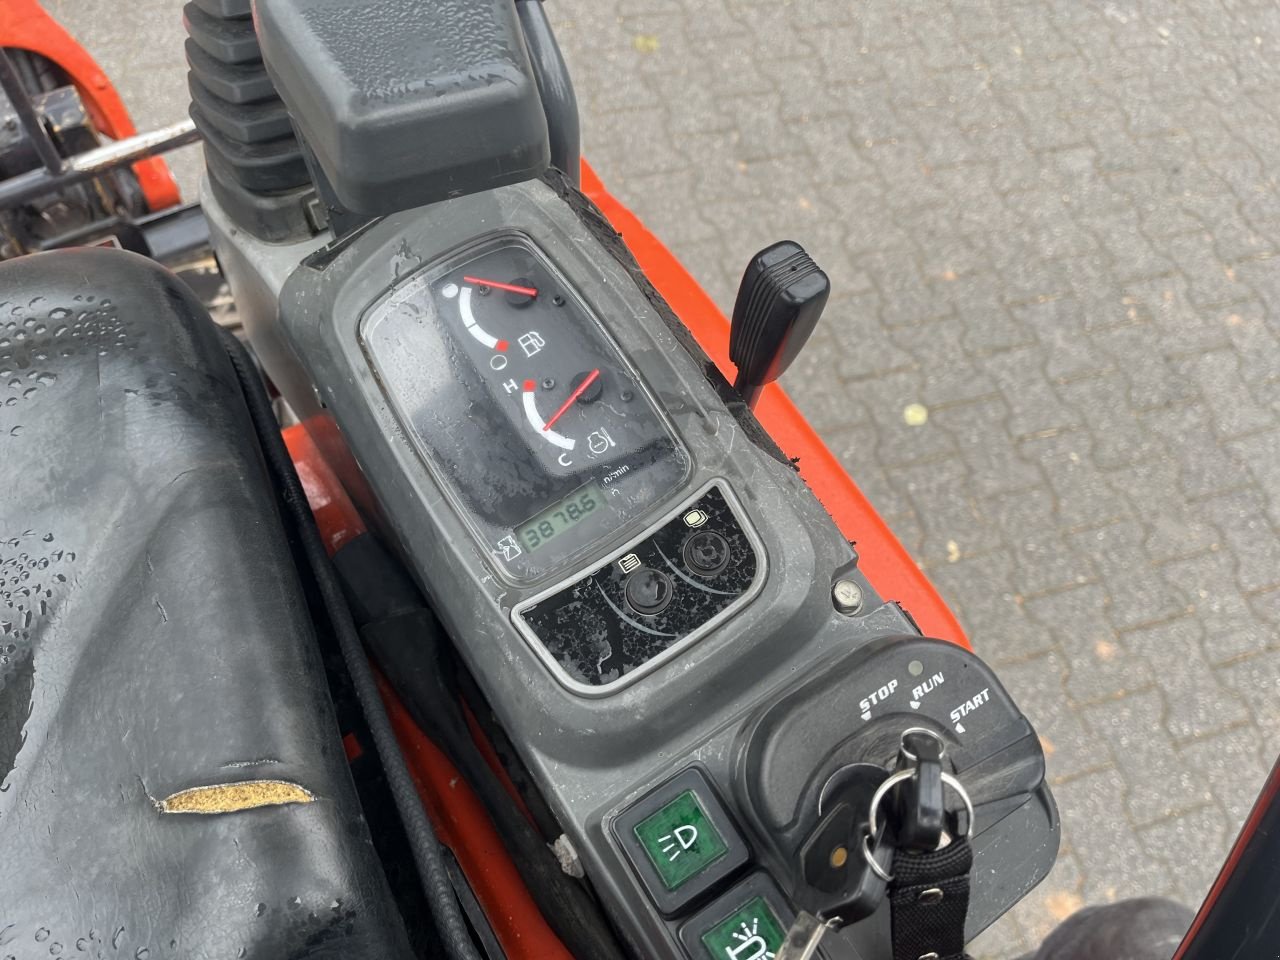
[{"x": 1056, "y": 226}]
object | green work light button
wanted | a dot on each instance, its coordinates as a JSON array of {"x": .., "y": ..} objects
[
  {"x": 752, "y": 932},
  {"x": 680, "y": 839}
]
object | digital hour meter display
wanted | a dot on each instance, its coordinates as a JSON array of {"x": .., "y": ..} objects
[
  {"x": 520, "y": 401},
  {"x": 555, "y": 520}
]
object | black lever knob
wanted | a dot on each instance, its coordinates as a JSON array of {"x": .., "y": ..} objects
[
  {"x": 779, "y": 302},
  {"x": 919, "y": 813}
]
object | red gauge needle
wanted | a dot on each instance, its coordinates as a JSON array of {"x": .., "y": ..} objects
[
  {"x": 509, "y": 287},
  {"x": 581, "y": 389}
]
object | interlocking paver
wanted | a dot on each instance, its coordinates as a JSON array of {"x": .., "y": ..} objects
[
  {"x": 1181, "y": 841},
  {"x": 1156, "y": 785},
  {"x": 993, "y": 467},
  {"x": 1103, "y": 665},
  {"x": 1072, "y": 747},
  {"x": 1102, "y": 836},
  {"x": 1230, "y": 764},
  {"x": 1056, "y": 222}
]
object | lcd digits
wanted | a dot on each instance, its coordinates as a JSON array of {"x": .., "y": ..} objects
[{"x": 558, "y": 518}]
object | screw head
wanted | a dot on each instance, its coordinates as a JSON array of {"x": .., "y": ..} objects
[{"x": 847, "y": 596}]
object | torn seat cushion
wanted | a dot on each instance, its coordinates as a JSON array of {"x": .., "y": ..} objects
[{"x": 154, "y": 642}]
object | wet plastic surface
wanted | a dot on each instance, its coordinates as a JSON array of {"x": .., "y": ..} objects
[
  {"x": 521, "y": 404},
  {"x": 405, "y": 102},
  {"x": 594, "y": 756}
]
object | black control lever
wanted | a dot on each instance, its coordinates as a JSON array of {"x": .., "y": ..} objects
[{"x": 779, "y": 302}]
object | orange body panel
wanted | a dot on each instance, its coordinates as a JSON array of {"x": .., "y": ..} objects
[
  {"x": 882, "y": 558},
  {"x": 336, "y": 516},
  {"x": 24, "y": 24}
]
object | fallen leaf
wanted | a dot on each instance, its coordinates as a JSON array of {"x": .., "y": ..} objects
[
  {"x": 234, "y": 797},
  {"x": 1063, "y": 903},
  {"x": 915, "y": 414},
  {"x": 645, "y": 43}
]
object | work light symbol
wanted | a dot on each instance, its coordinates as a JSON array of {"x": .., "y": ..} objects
[
  {"x": 749, "y": 939},
  {"x": 678, "y": 841}
]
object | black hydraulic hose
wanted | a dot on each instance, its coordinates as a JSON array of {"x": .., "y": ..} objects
[
  {"x": 422, "y": 838},
  {"x": 551, "y": 74},
  {"x": 410, "y": 645},
  {"x": 400, "y": 647}
]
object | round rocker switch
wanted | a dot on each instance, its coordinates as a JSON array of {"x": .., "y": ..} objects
[
  {"x": 706, "y": 553},
  {"x": 648, "y": 591}
]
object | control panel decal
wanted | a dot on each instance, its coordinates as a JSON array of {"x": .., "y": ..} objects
[
  {"x": 451, "y": 290},
  {"x": 628, "y": 620},
  {"x": 879, "y": 695},
  {"x": 543, "y": 427},
  {"x": 970, "y": 705},
  {"x": 675, "y": 569},
  {"x": 627, "y": 614},
  {"x": 920, "y": 689}
]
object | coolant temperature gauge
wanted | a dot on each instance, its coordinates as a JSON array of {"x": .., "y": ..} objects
[{"x": 513, "y": 387}]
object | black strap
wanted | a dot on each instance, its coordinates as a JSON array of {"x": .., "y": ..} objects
[{"x": 929, "y": 899}]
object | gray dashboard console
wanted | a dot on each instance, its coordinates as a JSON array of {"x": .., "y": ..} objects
[
  {"x": 403, "y": 102},
  {"x": 640, "y": 585}
]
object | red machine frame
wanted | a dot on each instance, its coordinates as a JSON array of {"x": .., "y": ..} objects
[{"x": 25, "y": 25}]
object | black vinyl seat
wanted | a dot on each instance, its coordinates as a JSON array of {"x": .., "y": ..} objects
[{"x": 154, "y": 641}]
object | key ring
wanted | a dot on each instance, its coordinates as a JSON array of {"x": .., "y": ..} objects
[
  {"x": 878, "y": 797},
  {"x": 871, "y": 860}
]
